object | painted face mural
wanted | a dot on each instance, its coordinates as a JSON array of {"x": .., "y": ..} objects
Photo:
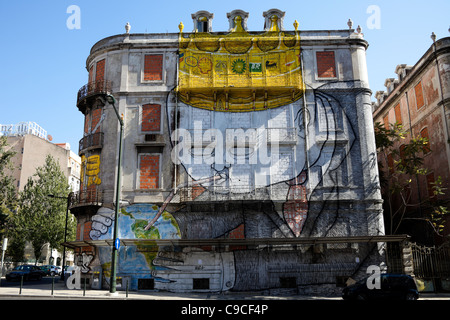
[
  {"x": 247, "y": 130},
  {"x": 243, "y": 127}
]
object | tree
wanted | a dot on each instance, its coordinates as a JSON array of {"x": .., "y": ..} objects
[
  {"x": 41, "y": 218},
  {"x": 404, "y": 161},
  {"x": 8, "y": 196},
  {"x": 9, "y": 202}
]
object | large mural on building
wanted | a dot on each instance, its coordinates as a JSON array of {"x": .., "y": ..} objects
[
  {"x": 249, "y": 139},
  {"x": 240, "y": 71}
]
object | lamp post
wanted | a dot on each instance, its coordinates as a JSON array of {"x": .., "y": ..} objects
[
  {"x": 69, "y": 197},
  {"x": 110, "y": 99}
]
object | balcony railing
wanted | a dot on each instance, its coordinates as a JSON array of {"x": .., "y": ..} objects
[
  {"x": 92, "y": 141},
  {"x": 93, "y": 88},
  {"x": 233, "y": 193},
  {"x": 87, "y": 197}
]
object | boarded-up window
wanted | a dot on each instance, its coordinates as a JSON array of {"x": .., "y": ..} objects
[
  {"x": 419, "y": 95},
  {"x": 386, "y": 122},
  {"x": 153, "y": 64},
  {"x": 424, "y": 134},
  {"x": 149, "y": 171},
  {"x": 100, "y": 71},
  {"x": 151, "y": 118},
  {"x": 398, "y": 114},
  {"x": 201, "y": 283},
  {"x": 91, "y": 74},
  {"x": 326, "y": 64}
]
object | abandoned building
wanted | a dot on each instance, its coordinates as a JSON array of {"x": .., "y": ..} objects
[
  {"x": 248, "y": 159},
  {"x": 418, "y": 100}
]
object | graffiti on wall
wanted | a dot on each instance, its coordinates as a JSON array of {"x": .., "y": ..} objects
[
  {"x": 289, "y": 156},
  {"x": 240, "y": 71},
  {"x": 90, "y": 170}
]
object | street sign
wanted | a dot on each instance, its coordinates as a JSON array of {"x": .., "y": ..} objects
[{"x": 117, "y": 243}]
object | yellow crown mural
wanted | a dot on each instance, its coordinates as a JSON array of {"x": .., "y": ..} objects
[{"x": 240, "y": 71}]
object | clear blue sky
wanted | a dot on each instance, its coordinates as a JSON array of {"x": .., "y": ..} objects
[{"x": 43, "y": 61}]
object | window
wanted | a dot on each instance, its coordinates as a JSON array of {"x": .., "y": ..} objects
[
  {"x": 201, "y": 283},
  {"x": 100, "y": 70},
  {"x": 91, "y": 73},
  {"x": 153, "y": 64},
  {"x": 288, "y": 282},
  {"x": 149, "y": 169},
  {"x": 419, "y": 95},
  {"x": 151, "y": 118},
  {"x": 398, "y": 114},
  {"x": 146, "y": 284},
  {"x": 326, "y": 64},
  {"x": 424, "y": 134},
  {"x": 386, "y": 122},
  {"x": 202, "y": 24}
]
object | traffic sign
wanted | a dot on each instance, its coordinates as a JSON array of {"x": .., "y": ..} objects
[{"x": 117, "y": 243}]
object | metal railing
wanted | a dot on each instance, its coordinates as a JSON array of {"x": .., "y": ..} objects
[
  {"x": 92, "y": 141},
  {"x": 233, "y": 193},
  {"x": 93, "y": 88},
  {"x": 92, "y": 196}
]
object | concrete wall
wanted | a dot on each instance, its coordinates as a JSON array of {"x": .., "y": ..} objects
[{"x": 31, "y": 152}]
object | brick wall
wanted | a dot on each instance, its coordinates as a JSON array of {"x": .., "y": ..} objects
[
  {"x": 151, "y": 117},
  {"x": 95, "y": 118},
  {"x": 100, "y": 71},
  {"x": 86, "y": 230},
  {"x": 149, "y": 171},
  {"x": 86, "y": 123},
  {"x": 326, "y": 65},
  {"x": 153, "y": 65}
]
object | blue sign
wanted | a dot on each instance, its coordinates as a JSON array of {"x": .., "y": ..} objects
[{"x": 117, "y": 243}]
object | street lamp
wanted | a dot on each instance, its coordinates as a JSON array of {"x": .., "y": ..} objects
[
  {"x": 110, "y": 99},
  {"x": 69, "y": 197}
]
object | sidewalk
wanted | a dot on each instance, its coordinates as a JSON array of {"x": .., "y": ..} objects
[{"x": 60, "y": 291}]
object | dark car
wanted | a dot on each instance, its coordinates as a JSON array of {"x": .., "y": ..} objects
[
  {"x": 392, "y": 286},
  {"x": 28, "y": 272}
]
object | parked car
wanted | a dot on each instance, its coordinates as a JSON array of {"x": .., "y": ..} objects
[
  {"x": 68, "y": 271},
  {"x": 51, "y": 270},
  {"x": 392, "y": 286},
  {"x": 28, "y": 272}
]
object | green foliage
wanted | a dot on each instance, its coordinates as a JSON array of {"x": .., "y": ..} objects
[
  {"x": 42, "y": 218},
  {"x": 8, "y": 196},
  {"x": 440, "y": 213}
]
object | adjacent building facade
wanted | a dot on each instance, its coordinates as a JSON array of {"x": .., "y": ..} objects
[
  {"x": 419, "y": 100},
  {"x": 32, "y": 145},
  {"x": 249, "y": 160}
]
